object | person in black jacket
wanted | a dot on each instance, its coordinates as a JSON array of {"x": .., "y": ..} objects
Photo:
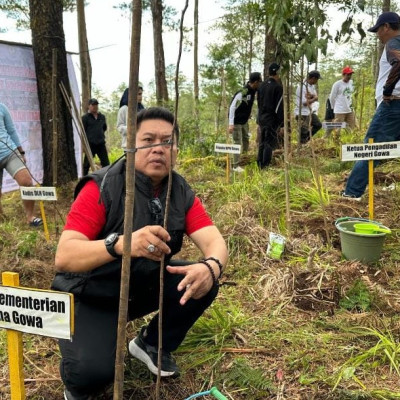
[
  {"x": 239, "y": 114},
  {"x": 95, "y": 125},
  {"x": 270, "y": 116}
]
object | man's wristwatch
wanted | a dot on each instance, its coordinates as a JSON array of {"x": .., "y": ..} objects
[{"x": 110, "y": 242}]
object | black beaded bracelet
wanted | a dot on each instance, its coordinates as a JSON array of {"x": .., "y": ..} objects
[
  {"x": 22, "y": 153},
  {"x": 220, "y": 266},
  {"x": 207, "y": 264}
]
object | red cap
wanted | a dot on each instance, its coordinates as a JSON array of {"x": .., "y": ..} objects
[{"x": 347, "y": 70}]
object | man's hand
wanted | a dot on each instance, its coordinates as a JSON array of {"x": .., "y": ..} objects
[
  {"x": 197, "y": 281},
  {"x": 231, "y": 128},
  {"x": 154, "y": 235}
]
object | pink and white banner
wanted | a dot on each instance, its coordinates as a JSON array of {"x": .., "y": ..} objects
[{"x": 18, "y": 91}]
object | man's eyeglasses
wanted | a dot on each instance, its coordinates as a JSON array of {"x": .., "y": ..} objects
[{"x": 156, "y": 211}]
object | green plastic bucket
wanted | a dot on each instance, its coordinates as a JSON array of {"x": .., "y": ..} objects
[{"x": 366, "y": 248}]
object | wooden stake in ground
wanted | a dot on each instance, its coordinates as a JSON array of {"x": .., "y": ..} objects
[
  {"x": 162, "y": 263},
  {"x": 55, "y": 133},
  {"x": 286, "y": 155},
  {"x": 129, "y": 199}
]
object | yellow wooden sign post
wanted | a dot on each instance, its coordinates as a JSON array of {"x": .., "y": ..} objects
[
  {"x": 14, "y": 346},
  {"x": 45, "y": 227},
  {"x": 371, "y": 186},
  {"x": 35, "y": 311}
]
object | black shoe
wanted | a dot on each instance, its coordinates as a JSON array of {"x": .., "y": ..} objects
[
  {"x": 350, "y": 196},
  {"x": 149, "y": 354},
  {"x": 69, "y": 396}
]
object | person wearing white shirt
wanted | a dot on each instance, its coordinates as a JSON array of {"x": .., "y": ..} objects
[
  {"x": 303, "y": 111},
  {"x": 239, "y": 114},
  {"x": 385, "y": 125},
  {"x": 341, "y": 99}
]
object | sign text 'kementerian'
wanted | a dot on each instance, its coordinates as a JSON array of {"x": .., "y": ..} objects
[{"x": 40, "y": 312}]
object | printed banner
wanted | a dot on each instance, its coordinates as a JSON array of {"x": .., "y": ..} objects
[{"x": 18, "y": 91}]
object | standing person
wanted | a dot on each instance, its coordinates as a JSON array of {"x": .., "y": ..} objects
[
  {"x": 89, "y": 256},
  {"x": 270, "y": 116},
  {"x": 122, "y": 118},
  {"x": 239, "y": 114},
  {"x": 95, "y": 126},
  {"x": 341, "y": 99},
  {"x": 303, "y": 108},
  {"x": 12, "y": 159},
  {"x": 385, "y": 124},
  {"x": 329, "y": 117}
]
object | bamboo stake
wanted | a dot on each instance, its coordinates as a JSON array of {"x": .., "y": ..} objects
[
  {"x": 362, "y": 100},
  {"x": 300, "y": 105},
  {"x": 77, "y": 121},
  {"x": 55, "y": 133},
  {"x": 317, "y": 175},
  {"x": 129, "y": 199},
  {"x": 286, "y": 157},
  {"x": 54, "y": 112},
  {"x": 166, "y": 214}
]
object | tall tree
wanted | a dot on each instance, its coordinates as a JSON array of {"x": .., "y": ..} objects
[
  {"x": 84, "y": 56},
  {"x": 159, "y": 59},
  {"x": 196, "y": 65},
  {"x": 243, "y": 26},
  {"x": 46, "y": 22}
]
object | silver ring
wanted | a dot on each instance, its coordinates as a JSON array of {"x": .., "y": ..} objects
[
  {"x": 188, "y": 286},
  {"x": 151, "y": 248}
]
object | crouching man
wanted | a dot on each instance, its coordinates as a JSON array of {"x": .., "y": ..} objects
[{"x": 88, "y": 261}]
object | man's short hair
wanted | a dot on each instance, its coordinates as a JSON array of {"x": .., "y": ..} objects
[
  {"x": 314, "y": 74},
  {"x": 158, "y": 113},
  {"x": 394, "y": 26},
  {"x": 273, "y": 69},
  {"x": 255, "y": 77}
]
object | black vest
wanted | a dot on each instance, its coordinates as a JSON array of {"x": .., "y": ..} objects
[
  {"x": 104, "y": 281},
  {"x": 243, "y": 111}
]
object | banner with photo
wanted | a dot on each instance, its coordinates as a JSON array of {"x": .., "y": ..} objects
[{"x": 18, "y": 91}]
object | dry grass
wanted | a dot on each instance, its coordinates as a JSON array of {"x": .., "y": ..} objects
[{"x": 279, "y": 332}]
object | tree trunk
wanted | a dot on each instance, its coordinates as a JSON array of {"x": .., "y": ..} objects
[
  {"x": 196, "y": 66},
  {"x": 46, "y": 21},
  {"x": 381, "y": 46},
  {"x": 159, "y": 61},
  {"x": 270, "y": 47},
  {"x": 251, "y": 39},
  {"x": 84, "y": 56}
]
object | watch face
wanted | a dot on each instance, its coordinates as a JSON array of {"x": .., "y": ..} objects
[{"x": 110, "y": 239}]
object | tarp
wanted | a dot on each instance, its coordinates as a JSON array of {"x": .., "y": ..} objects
[{"x": 18, "y": 91}]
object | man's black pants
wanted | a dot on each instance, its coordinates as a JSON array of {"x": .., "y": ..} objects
[
  {"x": 269, "y": 141},
  {"x": 87, "y": 363},
  {"x": 316, "y": 125},
  {"x": 101, "y": 151}
]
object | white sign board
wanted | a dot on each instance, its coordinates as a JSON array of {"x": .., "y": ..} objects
[
  {"x": 40, "y": 312},
  {"x": 38, "y": 193},
  {"x": 334, "y": 124},
  {"x": 227, "y": 148},
  {"x": 370, "y": 151}
]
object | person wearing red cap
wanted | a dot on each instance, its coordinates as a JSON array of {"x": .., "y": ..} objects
[
  {"x": 341, "y": 99},
  {"x": 385, "y": 125}
]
